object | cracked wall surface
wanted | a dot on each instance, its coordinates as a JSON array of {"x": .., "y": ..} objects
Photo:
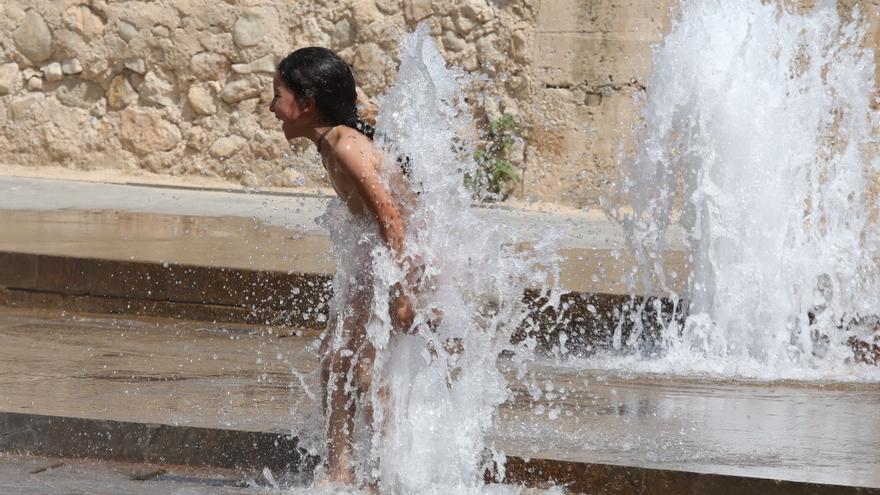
[{"x": 181, "y": 87}]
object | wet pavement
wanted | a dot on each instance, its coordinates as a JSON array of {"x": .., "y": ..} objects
[
  {"x": 151, "y": 370},
  {"x": 821, "y": 433},
  {"x": 261, "y": 231},
  {"x": 24, "y": 475},
  {"x": 258, "y": 378},
  {"x": 229, "y": 242}
]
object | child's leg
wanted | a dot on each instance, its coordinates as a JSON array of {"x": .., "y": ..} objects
[{"x": 346, "y": 364}]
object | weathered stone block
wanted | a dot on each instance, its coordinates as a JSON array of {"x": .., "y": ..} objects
[
  {"x": 200, "y": 100},
  {"x": 157, "y": 90},
  {"x": 370, "y": 61},
  {"x": 343, "y": 33},
  {"x": 453, "y": 43},
  {"x": 198, "y": 138},
  {"x": 146, "y": 131},
  {"x": 136, "y": 65},
  {"x": 416, "y": 10},
  {"x": 35, "y": 83},
  {"x": 265, "y": 64},
  {"x": 120, "y": 94},
  {"x": 208, "y": 66},
  {"x": 597, "y": 59},
  {"x": 9, "y": 77},
  {"x": 388, "y": 7},
  {"x": 20, "y": 107},
  {"x": 84, "y": 21},
  {"x": 253, "y": 24},
  {"x": 79, "y": 93},
  {"x": 71, "y": 66},
  {"x": 604, "y": 16},
  {"x": 126, "y": 31},
  {"x": 227, "y": 146},
  {"x": 53, "y": 72},
  {"x": 33, "y": 38},
  {"x": 239, "y": 90}
]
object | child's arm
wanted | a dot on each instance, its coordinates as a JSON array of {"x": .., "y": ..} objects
[{"x": 360, "y": 164}]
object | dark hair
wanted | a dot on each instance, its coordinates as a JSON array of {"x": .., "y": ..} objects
[{"x": 318, "y": 73}]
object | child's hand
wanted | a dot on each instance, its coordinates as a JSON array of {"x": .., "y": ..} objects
[
  {"x": 434, "y": 323},
  {"x": 402, "y": 313}
]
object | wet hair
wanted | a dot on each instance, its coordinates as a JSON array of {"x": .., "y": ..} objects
[{"x": 318, "y": 73}]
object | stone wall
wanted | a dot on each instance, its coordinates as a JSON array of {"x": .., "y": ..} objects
[
  {"x": 590, "y": 59},
  {"x": 181, "y": 87}
]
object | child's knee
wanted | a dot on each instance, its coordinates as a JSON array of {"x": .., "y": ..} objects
[
  {"x": 363, "y": 373},
  {"x": 357, "y": 369},
  {"x": 339, "y": 362}
]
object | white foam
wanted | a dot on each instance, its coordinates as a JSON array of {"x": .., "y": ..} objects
[{"x": 757, "y": 140}]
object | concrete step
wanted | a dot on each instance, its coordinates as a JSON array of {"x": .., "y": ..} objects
[
  {"x": 261, "y": 258},
  {"x": 263, "y": 232},
  {"x": 174, "y": 455},
  {"x": 38, "y": 475},
  {"x": 236, "y": 295},
  {"x": 233, "y": 257},
  {"x": 146, "y": 389},
  {"x": 244, "y": 296},
  {"x": 197, "y": 292}
]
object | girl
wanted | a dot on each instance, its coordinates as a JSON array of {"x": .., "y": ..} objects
[{"x": 315, "y": 98}]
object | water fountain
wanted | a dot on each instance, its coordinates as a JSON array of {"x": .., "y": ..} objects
[
  {"x": 758, "y": 145},
  {"x": 761, "y": 145},
  {"x": 441, "y": 386}
]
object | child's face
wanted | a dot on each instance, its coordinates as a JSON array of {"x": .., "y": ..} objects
[{"x": 294, "y": 114}]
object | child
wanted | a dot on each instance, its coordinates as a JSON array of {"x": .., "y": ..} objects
[{"x": 315, "y": 98}]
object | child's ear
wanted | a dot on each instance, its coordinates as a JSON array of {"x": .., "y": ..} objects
[{"x": 307, "y": 104}]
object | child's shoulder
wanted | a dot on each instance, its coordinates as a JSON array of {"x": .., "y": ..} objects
[
  {"x": 347, "y": 134},
  {"x": 353, "y": 145},
  {"x": 352, "y": 140}
]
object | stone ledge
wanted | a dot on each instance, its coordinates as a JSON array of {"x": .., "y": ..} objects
[
  {"x": 188, "y": 291},
  {"x": 56, "y": 436},
  {"x": 123, "y": 306},
  {"x": 249, "y": 296},
  {"x": 235, "y": 295},
  {"x": 613, "y": 479}
]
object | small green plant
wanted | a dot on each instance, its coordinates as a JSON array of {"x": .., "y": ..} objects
[{"x": 495, "y": 176}]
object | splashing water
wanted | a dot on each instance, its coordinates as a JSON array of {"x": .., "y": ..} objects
[
  {"x": 435, "y": 393},
  {"x": 760, "y": 141}
]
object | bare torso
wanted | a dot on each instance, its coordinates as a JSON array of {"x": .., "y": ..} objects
[
  {"x": 351, "y": 144},
  {"x": 343, "y": 183}
]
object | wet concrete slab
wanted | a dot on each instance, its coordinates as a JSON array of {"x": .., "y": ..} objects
[
  {"x": 808, "y": 432},
  {"x": 580, "y": 425},
  {"x": 37, "y": 475},
  {"x": 229, "y": 242},
  {"x": 28, "y": 475},
  {"x": 152, "y": 370},
  {"x": 262, "y": 232},
  {"x": 102, "y": 439},
  {"x": 162, "y": 289}
]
